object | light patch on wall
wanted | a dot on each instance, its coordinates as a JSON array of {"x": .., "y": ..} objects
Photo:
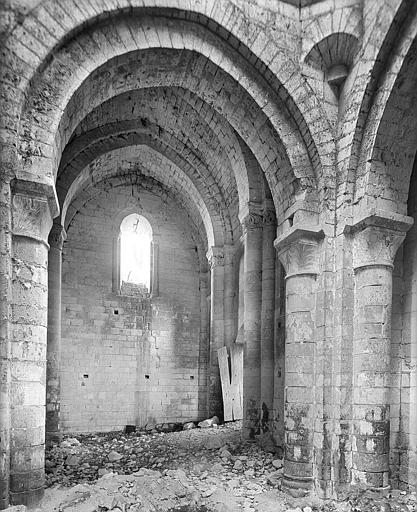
[{"x": 135, "y": 250}]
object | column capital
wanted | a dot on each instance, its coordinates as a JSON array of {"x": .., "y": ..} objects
[
  {"x": 269, "y": 213},
  {"x": 298, "y": 249},
  {"x": 251, "y": 218},
  {"x": 268, "y": 216},
  {"x": 57, "y": 236},
  {"x": 33, "y": 207},
  {"x": 377, "y": 237},
  {"x": 215, "y": 256}
]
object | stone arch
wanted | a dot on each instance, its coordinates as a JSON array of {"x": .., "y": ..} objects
[
  {"x": 148, "y": 111},
  {"x": 190, "y": 174},
  {"x": 148, "y": 183},
  {"x": 368, "y": 114},
  {"x": 130, "y": 210},
  {"x": 336, "y": 48},
  {"x": 197, "y": 232},
  {"x": 265, "y": 100},
  {"x": 139, "y": 163},
  {"x": 389, "y": 140},
  {"x": 67, "y": 23},
  {"x": 142, "y": 251}
]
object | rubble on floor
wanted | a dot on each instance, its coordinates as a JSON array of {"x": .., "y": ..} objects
[{"x": 197, "y": 470}]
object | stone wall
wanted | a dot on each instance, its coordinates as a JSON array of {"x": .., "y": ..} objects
[
  {"x": 129, "y": 359},
  {"x": 404, "y": 356},
  {"x": 309, "y": 106}
]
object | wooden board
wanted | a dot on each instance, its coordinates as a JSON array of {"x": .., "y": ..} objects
[
  {"x": 226, "y": 384},
  {"x": 232, "y": 385},
  {"x": 236, "y": 353}
]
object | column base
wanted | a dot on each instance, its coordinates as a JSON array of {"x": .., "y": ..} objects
[
  {"x": 4, "y": 494},
  {"x": 297, "y": 487},
  {"x": 52, "y": 438},
  {"x": 29, "y": 498}
]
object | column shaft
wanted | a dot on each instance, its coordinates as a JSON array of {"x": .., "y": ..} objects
[
  {"x": 279, "y": 354},
  {"x": 203, "y": 357},
  {"x": 31, "y": 224},
  {"x": 300, "y": 382},
  {"x": 375, "y": 243},
  {"x": 216, "y": 260},
  {"x": 229, "y": 295},
  {"x": 252, "y": 228},
  {"x": 5, "y": 380},
  {"x": 371, "y": 363},
  {"x": 267, "y": 323},
  {"x": 298, "y": 250},
  {"x": 53, "y": 399},
  {"x": 155, "y": 267}
]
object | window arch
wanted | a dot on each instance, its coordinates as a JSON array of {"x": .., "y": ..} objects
[
  {"x": 135, "y": 250},
  {"x": 135, "y": 262}
]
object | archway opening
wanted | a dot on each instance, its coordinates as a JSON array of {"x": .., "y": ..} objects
[{"x": 135, "y": 251}]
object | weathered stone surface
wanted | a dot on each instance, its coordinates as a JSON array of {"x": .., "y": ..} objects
[
  {"x": 210, "y": 422},
  {"x": 225, "y": 124}
]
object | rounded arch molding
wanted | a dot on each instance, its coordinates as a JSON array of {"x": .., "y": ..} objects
[
  {"x": 38, "y": 141},
  {"x": 367, "y": 173},
  {"x": 141, "y": 164}
]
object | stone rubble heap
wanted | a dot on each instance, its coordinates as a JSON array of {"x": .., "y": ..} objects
[{"x": 196, "y": 470}]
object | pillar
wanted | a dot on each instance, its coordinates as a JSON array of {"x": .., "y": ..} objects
[
  {"x": 116, "y": 281},
  {"x": 252, "y": 225},
  {"x": 56, "y": 241},
  {"x": 5, "y": 355},
  {"x": 155, "y": 265},
  {"x": 31, "y": 222},
  {"x": 267, "y": 319},
  {"x": 229, "y": 296},
  {"x": 376, "y": 239},
  {"x": 203, "y": 355},
  {"x": 279, "y": 355},
  {"x": 215, "y": 257},
  {"x": 298, "y": 251}
]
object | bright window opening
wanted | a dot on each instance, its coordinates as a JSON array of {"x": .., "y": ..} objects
[{"x": 135, "y": 250}]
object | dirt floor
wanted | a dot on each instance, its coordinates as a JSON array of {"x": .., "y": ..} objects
[{"x": 199, "y": 470}]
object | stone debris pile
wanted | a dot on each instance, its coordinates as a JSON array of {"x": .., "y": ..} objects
[{"x": 196, "y": 470}]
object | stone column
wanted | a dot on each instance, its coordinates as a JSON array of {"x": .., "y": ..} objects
[
  {"x": 252, "y": 225},
  {"x": 298, "y": 251},
  {"x": 5, "y": 355},
  {"x": 31, "y": 223},
  {"x": 376, "y": 239},
  {"x": 56, "y": 240},
  {"x": 116, "y": 281},
  {"x": 155, "y": 266},
  {"x": 229, "y": 295},
  {"x": 203, "y": 354},
  {"x": 267, "y": 319},
  {"x": 215, "y": 257}
]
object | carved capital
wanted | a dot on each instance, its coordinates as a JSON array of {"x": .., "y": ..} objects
[
  {"x": 32, "y": 210},
  {"x": 57, "y": 236},
  {"x": 215, "y": 257},
  {"x": 377, "y": 237},
  {"x": 251, "y": 217},
  {"x": 269, "y": 217},
  {"x": 298, "y": 250},
  {"x": 252, "y": 221}
]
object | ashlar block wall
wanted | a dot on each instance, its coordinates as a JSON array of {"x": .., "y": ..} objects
[{"x": 129, "y": 359}]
